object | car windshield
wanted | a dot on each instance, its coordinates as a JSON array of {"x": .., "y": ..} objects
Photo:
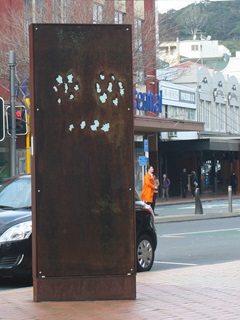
[{"x": 15, "y": 193}]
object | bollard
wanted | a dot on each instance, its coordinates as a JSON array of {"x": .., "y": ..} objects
[
  {"x": 230, "y": 198},
  {"x": 198, "y": 203}
]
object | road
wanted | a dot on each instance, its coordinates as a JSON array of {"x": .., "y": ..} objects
[
  {"x": 193, "y": 243},
  {"x": 189, "y": 243}
]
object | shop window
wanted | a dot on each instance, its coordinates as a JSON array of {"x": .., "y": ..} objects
[
  {"x": 60, "y": 11},
  {"x": 119, "y": 17},
  {"x": 164, "y": 50},
  {"x": 207, "y": 114},
  {"x": 223, "y": 118},
  {"x": 194, "y": 47},
  {"x": 97, "y": 13},
  {"x": 173, "y": 50}
]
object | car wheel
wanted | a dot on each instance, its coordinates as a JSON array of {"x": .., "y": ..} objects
[{"x": 145, "y": 253}]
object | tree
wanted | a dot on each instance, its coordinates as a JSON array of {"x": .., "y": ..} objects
[
  {"x": 168, "y": 47},
  {"x": 194, "y": 20},
  {"x": 15, "y": 21}
]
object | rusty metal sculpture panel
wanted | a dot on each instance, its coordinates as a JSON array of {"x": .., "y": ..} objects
[{"x": 82, "y": 155}]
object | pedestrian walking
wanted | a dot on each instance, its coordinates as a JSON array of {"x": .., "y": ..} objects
[
  {"x": 193, "y": 182},
  {"x": 165, "y": 187},
  {"x": 184, "y": 183},
  {"x": 157, "y": 183},
  {"x": 234, "y": 182},
  {"x": 148, "y": 186}
]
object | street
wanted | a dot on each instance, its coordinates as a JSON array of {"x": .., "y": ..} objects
[
  {"x": 194, "y": 243},
  {"x": 189, "y": 243}
]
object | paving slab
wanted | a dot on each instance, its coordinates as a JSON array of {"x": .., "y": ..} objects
[{"x": 198, "y": 292}]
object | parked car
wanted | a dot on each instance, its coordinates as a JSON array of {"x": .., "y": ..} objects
[
  {"x": 146, "y": 241},
  {"x": 16, "y": 229}
]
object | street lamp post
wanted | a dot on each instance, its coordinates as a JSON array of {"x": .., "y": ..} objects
[{"x": 12, "y": 65}]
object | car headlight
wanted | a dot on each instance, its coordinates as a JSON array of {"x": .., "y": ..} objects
[{"x": 18, "y": 232}]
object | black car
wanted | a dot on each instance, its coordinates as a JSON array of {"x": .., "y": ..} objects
[
  {"x": 16, "y": 229},
  {"x": 146, "y": 241}
]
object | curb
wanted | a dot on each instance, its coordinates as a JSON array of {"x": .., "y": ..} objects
[
  {"x": 193, "y": 216},
  {"x": 181, "y": 218}
]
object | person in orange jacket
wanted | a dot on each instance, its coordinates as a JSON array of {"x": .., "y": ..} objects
[{"x": 148, "y": 186}]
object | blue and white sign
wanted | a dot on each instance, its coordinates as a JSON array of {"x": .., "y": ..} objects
[
  {"x": 142, "y": 160},
  {"x": 147, "y": 101},
  {"x": 145, "y": 145}
]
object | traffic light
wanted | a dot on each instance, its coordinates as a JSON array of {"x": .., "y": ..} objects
[
  {"x": 2, "y": 120},
  {"x": 21, "y": 123}
]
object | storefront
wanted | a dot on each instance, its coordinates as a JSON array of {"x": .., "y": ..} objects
[
  {"x": 213, "y": 160},
  {"x": 153, "y": 116},
  {"x": 154, "y": 155}
]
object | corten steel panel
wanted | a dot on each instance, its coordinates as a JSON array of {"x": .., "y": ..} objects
[
  {"x": 85, "y": 288},
  {"x": 82, "y": 150}
]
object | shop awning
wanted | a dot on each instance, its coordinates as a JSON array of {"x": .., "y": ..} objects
[
  {"x": 156, "y": 124},
  {"x": 200, "y": 145}
]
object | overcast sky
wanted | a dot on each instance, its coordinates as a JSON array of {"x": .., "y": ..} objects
[{"x": 165, "y": 5}]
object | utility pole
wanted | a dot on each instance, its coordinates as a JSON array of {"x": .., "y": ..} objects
[{"x": 12, "y": 65}]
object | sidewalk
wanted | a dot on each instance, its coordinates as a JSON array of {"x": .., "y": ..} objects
[
  {"x": 192, "y": 216},
  {"x": 200, "y": 292}
]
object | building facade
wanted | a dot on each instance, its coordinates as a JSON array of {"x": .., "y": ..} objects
[
  {"x": 213, "y": 152},
  {"x": 175, "y": 52}
]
